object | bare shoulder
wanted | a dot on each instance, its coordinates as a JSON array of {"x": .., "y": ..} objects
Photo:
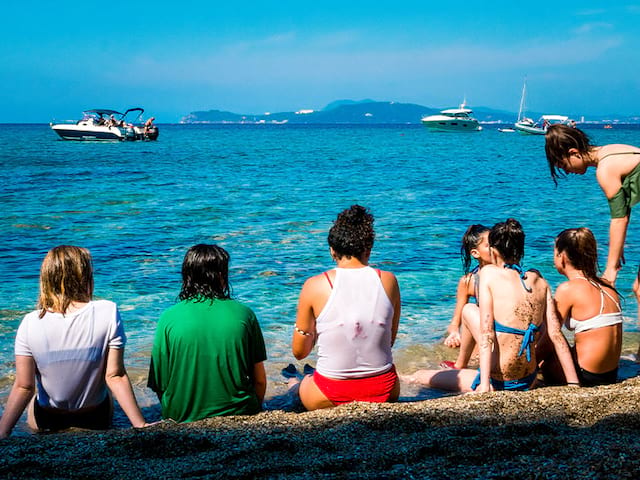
[
  {"x": 315, "y": 283},
  {"x": 616, "y": 161},
  {"x": 466, "y": 283},
  {"x": 490, "y": 271},
  {"x": 563, "y": 289},
  {"x": 537, "y": 281},
  {"x": 388, "y": 279},
  {"x": 535, "y": 276}
]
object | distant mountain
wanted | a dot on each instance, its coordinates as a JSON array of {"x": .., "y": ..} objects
[
  {"x": 339, "y": 103},
  {"x": 368, "y": 112},
  {"x": 342, "y": 111}
]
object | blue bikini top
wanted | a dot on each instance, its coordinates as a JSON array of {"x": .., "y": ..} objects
[{"x": 528, "y": 336}]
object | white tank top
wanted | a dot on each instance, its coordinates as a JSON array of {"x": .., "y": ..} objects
[{"x": 354, "y": 327}]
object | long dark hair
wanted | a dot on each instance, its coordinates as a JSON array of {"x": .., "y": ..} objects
[
  {"x": 352, "y": 233},
  {"x": 205, "y": 273},
  {"x": 559, "y": 139},
  {"x": 581, "y": 249},
  {"x": 470, "y": 240},
  {"x": 508, "y": 238}
]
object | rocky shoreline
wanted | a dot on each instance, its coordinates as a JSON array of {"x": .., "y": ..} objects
[{"x": 553, "y": 432}]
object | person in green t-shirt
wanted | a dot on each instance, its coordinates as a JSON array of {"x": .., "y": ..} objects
[{"x": 208, "y": 353}]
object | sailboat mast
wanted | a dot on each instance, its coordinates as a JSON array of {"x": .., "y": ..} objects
[{"x": 524, "y": 92}]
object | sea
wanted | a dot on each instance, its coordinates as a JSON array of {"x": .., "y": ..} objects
[{"x": 269, "y": 194}]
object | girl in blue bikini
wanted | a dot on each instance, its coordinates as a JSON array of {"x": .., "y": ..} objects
[{"x": 513, "y": 307}]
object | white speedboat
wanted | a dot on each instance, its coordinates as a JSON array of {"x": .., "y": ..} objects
[
  {"x": 104, "y": 124},
  {"x": 453, "y": 120}
]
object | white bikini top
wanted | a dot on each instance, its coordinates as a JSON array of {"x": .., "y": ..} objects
[{"x": 600, "y": 320}]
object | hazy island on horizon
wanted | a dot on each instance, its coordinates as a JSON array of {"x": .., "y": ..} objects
[{"x": 374, "y": 112}]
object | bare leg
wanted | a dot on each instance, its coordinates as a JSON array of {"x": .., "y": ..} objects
[
  {"x": 310, "y": 395},
  {"x": 470, "y": 334},
  {"x": 451, "y": 380},
  {"x": 31, "y": 417}
]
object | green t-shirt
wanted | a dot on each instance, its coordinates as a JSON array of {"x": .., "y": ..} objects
[{"x": 203, "y": 358}]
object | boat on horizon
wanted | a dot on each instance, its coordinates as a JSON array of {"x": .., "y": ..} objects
[
  {"x": 453, "y": 120},
  {"x": 106, "y": 124},
  {"x": 528, "y": 126}
]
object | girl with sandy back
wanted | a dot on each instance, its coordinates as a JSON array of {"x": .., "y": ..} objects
[
  {"x": 513, "y": 307},
  {"x": 617, "y": 171},
  {"x": 71, "y": 349},
  {"x": 588, "y": 305}
]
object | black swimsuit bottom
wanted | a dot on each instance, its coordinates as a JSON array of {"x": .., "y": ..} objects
[
  {"x": 98, "y": 418},
  {"x": 588, "y": 379}
]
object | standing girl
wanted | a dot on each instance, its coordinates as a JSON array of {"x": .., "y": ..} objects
[{"x": 618, "y": 173}]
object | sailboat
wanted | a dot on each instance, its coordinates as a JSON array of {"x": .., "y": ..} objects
[{"x": 527, "y": 126}]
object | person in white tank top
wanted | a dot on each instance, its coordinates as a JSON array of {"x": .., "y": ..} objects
[
  {"x": 351, "y": 313},
  {"x": 590, "y": 306}
]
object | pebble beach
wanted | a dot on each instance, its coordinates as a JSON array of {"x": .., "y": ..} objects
[
  {"x": 550, "y": 432},
  {"x": 554, "y": 432}
]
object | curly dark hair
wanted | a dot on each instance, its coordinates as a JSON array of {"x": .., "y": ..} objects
[
  {"x": 470, "y": 240},
  {"x": 205, "y": 273},
  {"x": 508, "y": 238},
  {"x": 352, "y": 233},
  {"x": 559, "y": 139}
]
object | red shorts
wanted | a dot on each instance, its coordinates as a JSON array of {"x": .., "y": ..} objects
[{"x": 369, "y": 389}]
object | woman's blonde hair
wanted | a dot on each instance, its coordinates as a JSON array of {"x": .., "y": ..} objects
[{"x": 66, "y": 276}]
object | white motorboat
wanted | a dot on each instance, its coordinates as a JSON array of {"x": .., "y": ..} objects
[
  {"x": 453, "y": 120},
  {"x": 528, "y": 126},
  {"x": 104, "y": 124}
]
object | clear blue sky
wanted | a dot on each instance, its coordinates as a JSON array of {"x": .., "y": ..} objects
[{"x": 174, "y": 57}]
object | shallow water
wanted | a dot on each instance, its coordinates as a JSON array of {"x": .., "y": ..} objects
[{"x": 268, "y": 194}]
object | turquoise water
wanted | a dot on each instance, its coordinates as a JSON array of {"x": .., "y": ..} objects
[{"x": 268, "y": 194}]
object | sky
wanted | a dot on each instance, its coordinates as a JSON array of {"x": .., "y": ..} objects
[{"x": 174, "y": 57}]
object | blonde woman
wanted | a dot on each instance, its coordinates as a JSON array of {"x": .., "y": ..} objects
[{"x": 71, "y": 350}]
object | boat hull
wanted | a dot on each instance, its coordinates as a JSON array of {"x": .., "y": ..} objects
[
  {"x": 529, "y": 129},
  {"x": 89, "y": 132},
  {"x": 448, "y": 125}
]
